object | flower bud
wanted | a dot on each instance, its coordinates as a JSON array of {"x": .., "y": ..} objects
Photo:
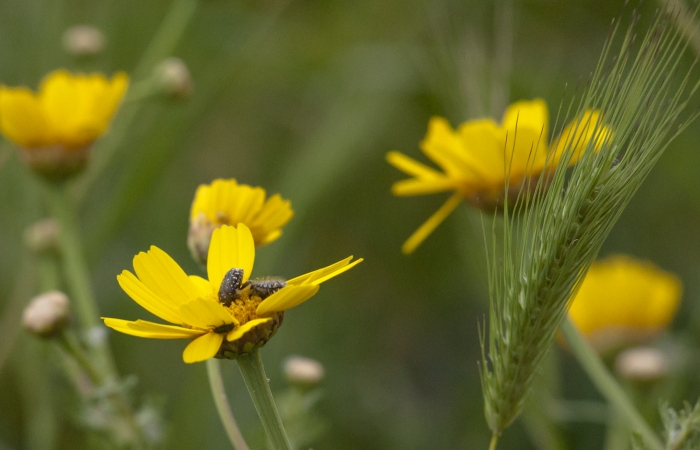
[
  {"x": 47, "y": 314},
  {"x": 42, "y": 236},
  {"x": 303, "y": 372},
  {"x": 83, "y": 40},
  {"x": 173, "y": 78},
  {"x": 56, "y": 162},
  {"x": 199, "y": 236},
  {"x": 642, "y": 364}
]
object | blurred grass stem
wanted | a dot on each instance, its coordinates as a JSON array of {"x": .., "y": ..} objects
[
  {"x": 10, "y": 323},
  {"x": 100, "y": 367},
  {"x": 75, "y": 269},
  {"x": 504, "y": 16},
  {"x": 606, "y": 384},
  {"x": 254, "y": 375},
  {"x": 218, "y": 391},
  {"x": 683, "y": 18},
  {"x": 74, "y": 352},
  {"x": 161, "y": 46}
]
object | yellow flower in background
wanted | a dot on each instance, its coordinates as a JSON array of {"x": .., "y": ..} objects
[
  {"x": 624, "y": 301},
  {"x": 475, "y": 158},
  {"x": 55, "y": 127},
  {"x": 71, "y": 110},
  {"x": 227, "y": 315},
  {"x": 225, "y": 202}
]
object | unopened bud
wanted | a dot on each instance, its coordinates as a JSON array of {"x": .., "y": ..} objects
[
  {"x": 56, "y": 162},
  {"x": 83, "y": 40},
  {"x": 47, "y": 314},
  {"x": 42, "y": 236},
  {"x": 173, "y": 78},
  {"x": 199, "y": 236},
  {"x": 303, "y": 372},
  {"x": 642, "y": 364}
]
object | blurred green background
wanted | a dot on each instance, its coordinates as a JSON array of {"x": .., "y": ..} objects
[{"x": 305, "y": 98}]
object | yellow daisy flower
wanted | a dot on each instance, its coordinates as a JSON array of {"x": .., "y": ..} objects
[
  {"x": 476, "y": 157},
  {"x": 227, "y": 315},
  {"x": 56, "y": 125},
  {"x": 624, "y": 301},
  {"x": 225, "y": 202}
]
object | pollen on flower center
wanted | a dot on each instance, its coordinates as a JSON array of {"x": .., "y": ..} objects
[{"x": 243, "y": 308}]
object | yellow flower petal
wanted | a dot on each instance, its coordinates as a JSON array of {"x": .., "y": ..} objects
[
  {"x": 411, "y": 166},
  {"x": 286, "y": 298},
  {"x": 270, "y": 237},
  {"x": 527, "y": 126},
  {"x": 531, "y": 115},
  {"x": 578, "y": 134},
  {"x": 160, "y": 273},
  {"x": 111, "y": 100},
  {"x": 326, "y": 273},
  {"x": 275, "y": 213},
  {"x": 145, "y": 329},
  {"x": 418, "y": 186},
  {"x": 429, "y": 226},
  {"x": 238, "y": 332},
  {"x": 225, "y": 202},
  {"x": 482, "y": 145},
  {"x": 80, "y": 107},
  {"x": 22, "y": 119},
  {"x": 230, "y": 247},
  {"x": 205, "y": 313},
  {"x": 202, "y": 285},
  {"x": 620, "y": 293},
  {"x": 147, "y": 299},
  {"x": 202, "y": 348}
]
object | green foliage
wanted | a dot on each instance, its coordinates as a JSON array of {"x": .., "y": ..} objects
[
  {"x": 550, "y": 241},
  {"x": 682, "y": 427}
]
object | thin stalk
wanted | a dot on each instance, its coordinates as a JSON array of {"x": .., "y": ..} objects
[
  {"x": 161, "y": 46},
  {"x": 73, "y": 352},
  {"x": 504, "y": 16},
  {"x": 70, "y": 343},
  {"x": 218, "y": 391},
  {"x": 494, "y": 441},
  {"x": 98, "y": 362},
  {"x": 254, "y": 375},
  {"x": 76, "y": 274},
  {"x": 682, "y": 16},
  {"x": 10, "y": 322},
  {"x": 606, "y": 384}
]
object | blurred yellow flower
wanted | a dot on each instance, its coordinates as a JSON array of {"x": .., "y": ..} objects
[
  {"x": 225, "y": 202},
  {"x": 623, "y": 301},
  {"x": 476, "y": 157},
  {"x": 226, "y": 315},
  {"x": 69, "y": 110}
]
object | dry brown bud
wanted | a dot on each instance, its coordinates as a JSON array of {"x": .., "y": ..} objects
[
  {"x": 303, "y": 372},
  {"x": 642, "y": 364},
  {"x": 173, "y": 78},
  {"x": 83, "y": 40},
  {"x": 47, "y": 314},
  {"x": 42, "y": 236}
]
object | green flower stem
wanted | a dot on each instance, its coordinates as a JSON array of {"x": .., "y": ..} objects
[
  {"x": 161, "y": 46},
  {"x": 75, "y": 269},
  {"x": 71, "y": 344},
  {"x": 607, "y": 385},
  {"x": 218, "y": 391},
  {"x": 10, "y": 322},
  {"x": 73, "y": 352},
  {"x": 684, "y": 18},
  {"x": 99, "y": 362},
  {"x": 494, "y": 441},
  {"x": 254, "y": 375}
]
